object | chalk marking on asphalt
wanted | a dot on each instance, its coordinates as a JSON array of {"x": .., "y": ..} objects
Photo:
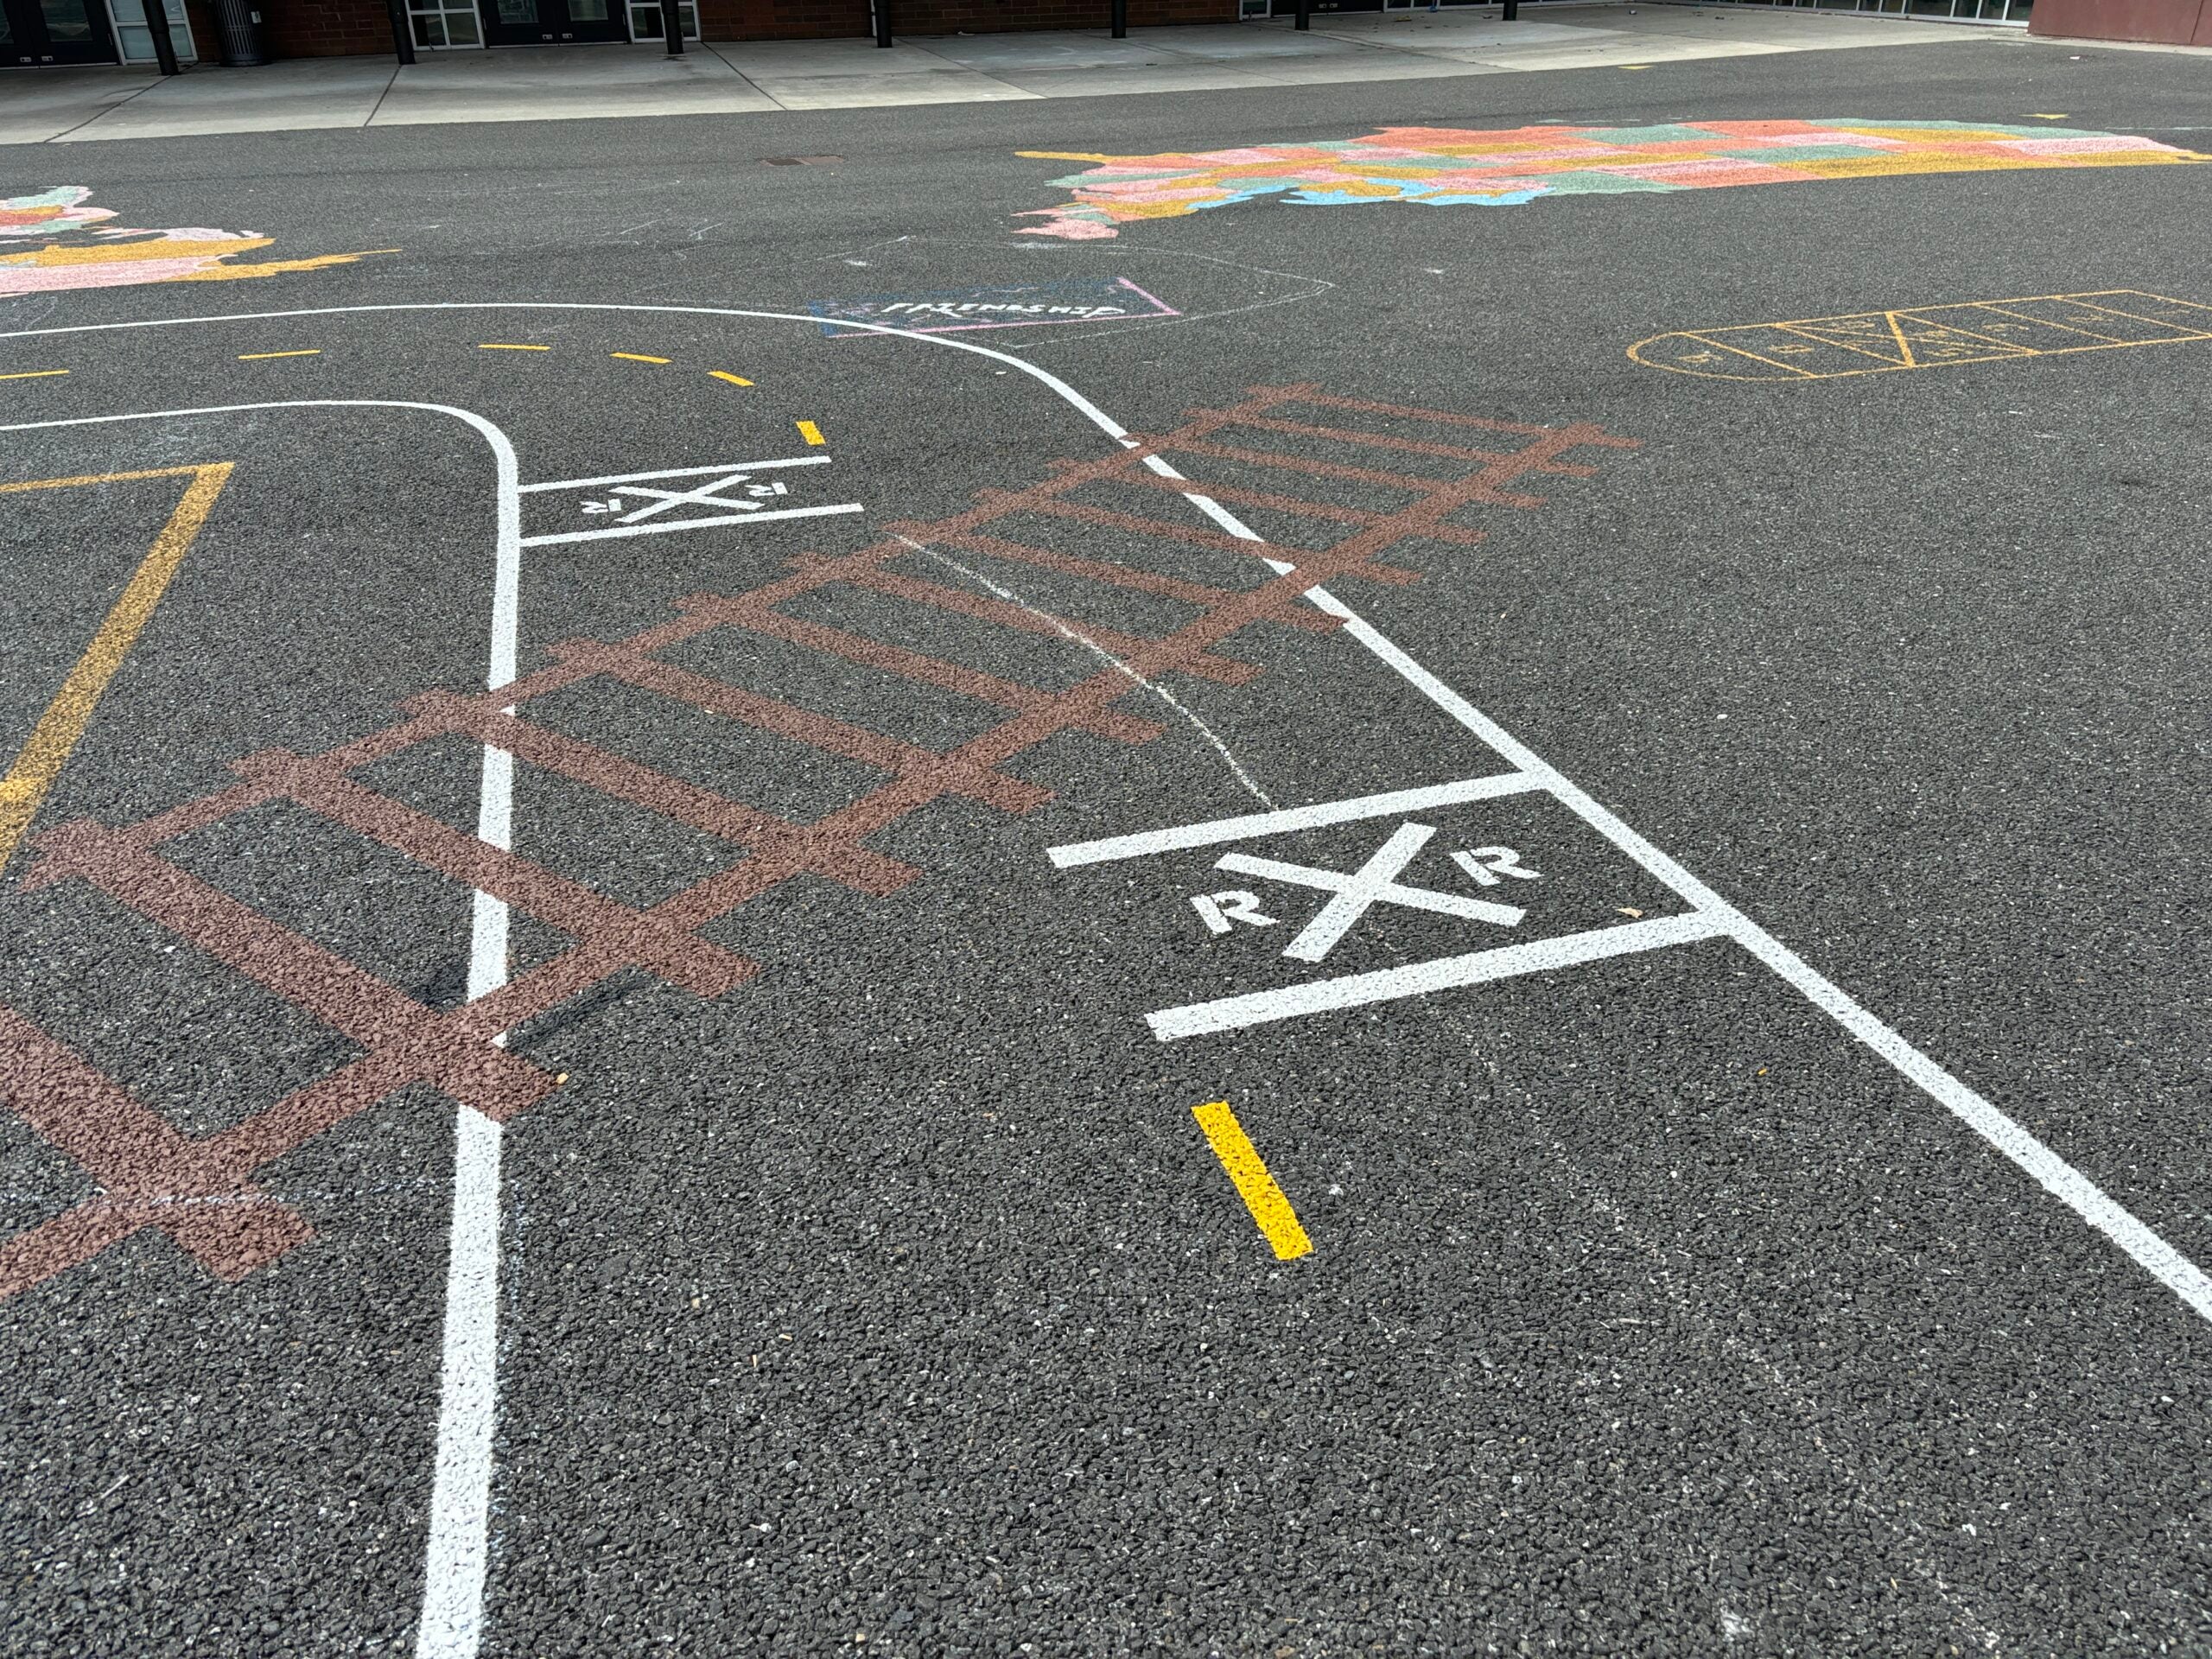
[
  {"x": 499, "y": 345},
  {"x": 810, "y": 431},
  {"x": 47, "y": 750},
  {"x": 1424, "y": 978},
  {"x": 258, "y": 356},
  {"x": 1257, "y": 1187},
  {"x": 1391, "y": 804},
  {"x": 34, "y": 374},
  {"x": 734, "y": 379},
  {"x": 637, "y": 357},
  {"x": 2039, "y": 1162},
  {"x": 675, "y": 472},
  {"x": 1068, "y": 632}
]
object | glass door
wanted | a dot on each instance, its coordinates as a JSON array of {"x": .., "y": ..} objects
[
  {"x": 137, "y": 39},
  {"x": 56, "y": 31},
  {"x": 644, "y": 20},
  {"x": 527, "y": 22}
]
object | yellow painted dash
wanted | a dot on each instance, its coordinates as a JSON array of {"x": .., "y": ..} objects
[
  {"x": 1278, "y": 1221},
  {"x": 734, "y": 379},
  {"x": 33, "y": 374},
  {"x": 810, "y": 432},
  {"x": 47, "y": 749},
  {"x": 637, "y": 357},
  {"x": 501, "y": 346},
  {"x": 256, "y": 357}
]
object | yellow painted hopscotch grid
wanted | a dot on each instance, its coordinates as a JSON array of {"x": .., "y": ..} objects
[
  {"x": 1929, "y": 336},
  {"x": 1278, "y": 1221},
  {"x": 47, "y": 748}
]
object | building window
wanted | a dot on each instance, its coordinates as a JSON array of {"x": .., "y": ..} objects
[{"x": 441, "y": 27}]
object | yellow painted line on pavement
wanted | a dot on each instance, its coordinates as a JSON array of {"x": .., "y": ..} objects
[
  {"x": 1257, "y": 1187},
  {"x": 256, "y": 357},
  {"x": 734, "y": 379},
  {"x": 47, "y": 748},
  {"x": 33, "y": 374},
  {"x": 810, "y": 432},
  {"x": 498, "y": 345},
  {"x": 638, "y": 357}
]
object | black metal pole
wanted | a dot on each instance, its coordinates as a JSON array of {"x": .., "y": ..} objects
[
  {"x": 671, "y": 26},
  {"x": 882, "y": 22},
  {"x": 1121, "y": 15},
  {"x": 1512, "y": 11},
  {"x": 1304, "y": 15},
  {"x": 402, "y": 40},
  {"x": 158, "y": 25}
]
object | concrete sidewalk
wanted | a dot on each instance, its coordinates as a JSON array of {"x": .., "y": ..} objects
[{"x": 576, "y": 82}]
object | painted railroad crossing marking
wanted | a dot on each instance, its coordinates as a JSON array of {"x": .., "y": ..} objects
[
  {"x": 1929, "y": 336},
  {"x": 143, "y": 1165},
  {"x": 695, "y": 497},
  {"x": 1353, "y": 893}
]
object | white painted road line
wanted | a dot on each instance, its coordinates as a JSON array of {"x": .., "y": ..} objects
[
  {"x": 690, "y": 524},
  {"x": 1395, "y": 803},
  {"x": 458, "y": 1547},
  {"x": 676, "y": 472},
  {"x": 2050, "y": 1171},
  {"x": 1418, "y": 979}
]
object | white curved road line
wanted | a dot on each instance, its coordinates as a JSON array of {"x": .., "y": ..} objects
[
  {"x": 453, "y": 1610},
  {"x": 460, "y": 1490}
]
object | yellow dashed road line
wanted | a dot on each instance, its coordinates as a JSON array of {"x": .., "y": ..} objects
[
  {"x": 1250, "y": 1171},
  {"x": 496, "y": 345},
  {"x": 639, "y": 356},
  {"x": 734, "y": 379},
  {"x": 256, "y": 357},
  {"x": 34, "y": 374},
  {"x": 810, "y": 432}
]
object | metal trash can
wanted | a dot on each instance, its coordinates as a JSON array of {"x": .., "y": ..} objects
[{"x": 238, "y": 21}]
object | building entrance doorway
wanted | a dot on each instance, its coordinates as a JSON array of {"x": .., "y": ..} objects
[
  {"x": 527, "y": 22},
  {"x": 54, "y": 31}
]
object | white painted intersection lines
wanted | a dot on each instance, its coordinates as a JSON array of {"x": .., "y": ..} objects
[
  {"x": 1421, "y": 978},
  {"x": 1253, "y": 824},
  {"x": 730, "y": 492}
]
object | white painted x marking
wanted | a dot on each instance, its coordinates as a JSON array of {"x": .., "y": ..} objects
[
  {"x": 1373, "y": 883},
  {"x": 705, "y": 496}
]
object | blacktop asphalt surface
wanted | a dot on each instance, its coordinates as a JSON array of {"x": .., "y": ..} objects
[{"x": 872, "y": 1287}]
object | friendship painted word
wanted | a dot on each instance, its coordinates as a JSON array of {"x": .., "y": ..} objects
[
  {"x": 79, "y": 248},
  {"x": 1441, "y": 166},
  {"x": 1025, "y": 305}
]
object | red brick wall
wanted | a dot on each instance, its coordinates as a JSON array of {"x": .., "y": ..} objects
[{"x": 322, "y": 28}]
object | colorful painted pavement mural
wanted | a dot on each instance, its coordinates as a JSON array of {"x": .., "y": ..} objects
[
  {"x": 1447, "y": 167},
  {"x": 77, "y": 249}
]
